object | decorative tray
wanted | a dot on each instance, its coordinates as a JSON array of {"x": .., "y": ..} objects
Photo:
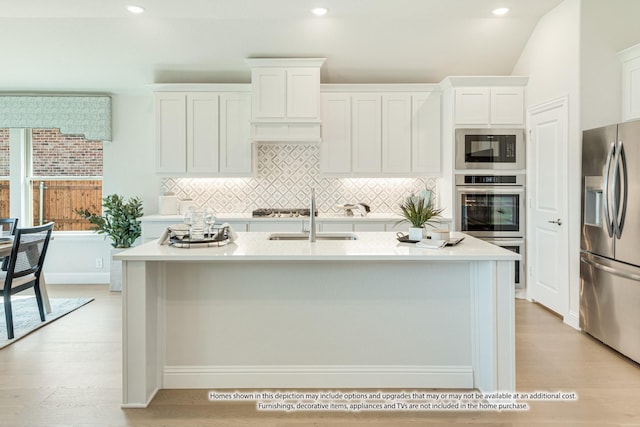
[
  {"x": 185, "y": 242},
  {"x": 404, "y": 238},
  {"x": 451, "y": 242}
]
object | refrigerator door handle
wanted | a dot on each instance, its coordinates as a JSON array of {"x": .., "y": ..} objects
[
  {"x": 611, "y": 270},
  {"x": 608, "y": 217},
  {"x": 621, "y": 205}
]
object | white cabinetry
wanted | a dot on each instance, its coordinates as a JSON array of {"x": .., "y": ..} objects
[
  {"x": 203, "y": 133},
  {"x": 396, "y": 133},
  {"x": 286, "y": 99},
  {"x": 489, "y": 106},
  {"x": 366, "y": 141},
  {"x": 335, "y": 152},
  {"x": 630, "y": 83},
  {"x": 380, "y": 134},
  {"x": 426, "y": 140},
  {"x": 171, "y": 133}
]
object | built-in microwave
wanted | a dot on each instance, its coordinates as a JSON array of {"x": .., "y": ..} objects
[{"x": 490, "y": 149}]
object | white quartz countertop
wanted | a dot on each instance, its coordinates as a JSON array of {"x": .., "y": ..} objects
[
  {"x": 369, "y": 246},
  {"x": 231, "y": 216}
]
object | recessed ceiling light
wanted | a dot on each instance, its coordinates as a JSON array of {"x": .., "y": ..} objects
[
  {"x": 319, "y": 11},
  {"x": 501, "y": 11},
  {"x": 135, "y": 9}
]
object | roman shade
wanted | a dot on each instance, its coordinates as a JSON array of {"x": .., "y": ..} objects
[{"x": 86, "y": 115}]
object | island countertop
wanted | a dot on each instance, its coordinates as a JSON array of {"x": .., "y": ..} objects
[{"x": 369, "y": 246}]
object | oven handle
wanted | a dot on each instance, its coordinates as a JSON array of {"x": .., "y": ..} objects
[{"x": 491, "y": 190}]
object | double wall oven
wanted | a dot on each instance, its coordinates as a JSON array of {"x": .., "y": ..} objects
[{"x": 491, "y": 206}]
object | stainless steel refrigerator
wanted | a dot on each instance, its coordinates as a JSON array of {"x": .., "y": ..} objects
[{"x": 610, "y": 244}]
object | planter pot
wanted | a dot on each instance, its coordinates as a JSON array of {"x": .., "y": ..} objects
[
  {"x": 115, "y": 272},
  {"x": 415, "y": 233}
]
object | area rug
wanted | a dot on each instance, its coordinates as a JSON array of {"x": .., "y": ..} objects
[{"x": 26, "y": 318}]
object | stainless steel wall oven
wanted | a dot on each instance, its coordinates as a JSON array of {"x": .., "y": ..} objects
[{"x": 492, "y": 207}]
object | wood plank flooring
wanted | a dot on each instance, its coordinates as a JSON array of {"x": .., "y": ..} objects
[{"x": 69, "y": 374}]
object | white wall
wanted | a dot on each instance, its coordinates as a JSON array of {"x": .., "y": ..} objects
[
  {"x": 551, "y": 59},
  {"x": 129, "y": 171},
  {"x": 607, "y": 28}
]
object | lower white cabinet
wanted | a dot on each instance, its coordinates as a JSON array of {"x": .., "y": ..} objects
[
  {"x": 289, "y": 226},
  {"x": 336, "y": 227}
]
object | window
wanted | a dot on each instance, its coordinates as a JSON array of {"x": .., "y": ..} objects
[
  {"x": 63, "y": 173},
  {"x": 4, "y": 173}
]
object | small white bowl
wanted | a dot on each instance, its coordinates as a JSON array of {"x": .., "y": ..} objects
[{"x": 440, "y": 234}]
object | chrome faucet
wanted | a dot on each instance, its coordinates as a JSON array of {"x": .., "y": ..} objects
[{"x": 312, "y": 216}]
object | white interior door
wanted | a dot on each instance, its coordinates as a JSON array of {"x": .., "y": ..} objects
[{"x": 547, "y": 183}]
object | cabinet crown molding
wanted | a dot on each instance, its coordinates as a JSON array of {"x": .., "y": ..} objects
[
  {"x": 456, "y": 81},
  {"x": 285, "y": 62},
  {"x": 377, "y": 87}
]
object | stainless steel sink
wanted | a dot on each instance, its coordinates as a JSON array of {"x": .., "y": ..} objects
[{"x": 319, "y": 236}]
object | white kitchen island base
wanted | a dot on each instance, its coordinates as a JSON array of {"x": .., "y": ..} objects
[{"x": 417, "y": 320}]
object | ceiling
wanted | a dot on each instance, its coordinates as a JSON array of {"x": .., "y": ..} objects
[{"x": 98, "y": 46}]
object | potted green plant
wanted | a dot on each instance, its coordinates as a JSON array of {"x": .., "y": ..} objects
[
  {"x": 119, "y": 221},
  {"x": 418, "y": 211}
]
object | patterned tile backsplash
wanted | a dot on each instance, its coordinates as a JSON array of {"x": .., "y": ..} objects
[{"x": 286, "y": 173}]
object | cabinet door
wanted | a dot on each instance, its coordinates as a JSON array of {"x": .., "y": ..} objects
[
  {"x": 269, "y": 89},
  {"x": 335, "y": 149},
  {"x": 369, "y": 226},
  {"x": 507, "y": 105},
  {"x": 336, "y": 227},
  {"x": 290, "y": 226},
  {"x": 366, "y": 134},
  {"x": 396, "y": 133},
  {"x": 170, "y": 132},
  {"x": 426, "y": 138},
  {"x": 631, "y": 89},
  {"x": 236, "y": 154},
  {"x": 303, "y": 93},
  {"x": 472, "y": 106},
  {"x": 202, "y": 133}
]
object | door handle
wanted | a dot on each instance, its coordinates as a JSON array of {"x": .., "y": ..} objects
[{"x": 557, "y": 221}]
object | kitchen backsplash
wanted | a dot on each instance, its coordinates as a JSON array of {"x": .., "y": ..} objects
[{"x": 286, "y": 173}]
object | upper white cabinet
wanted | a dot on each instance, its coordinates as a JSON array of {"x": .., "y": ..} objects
[
  {"x": 171, "y": 132},
  {"x": 203, "y": 133},
  {"x": 426, "y": 139},
  {"x": 630, "y": 83},
  {"x": 472, "y": 105},
  {"x": 236, "y": 150},
  {"x": 335, "y": 152},
  {"x": 396, "y": 133},
  {"x": 366, "y": 134},
  {"x": 489, "y": 106},
  {"x": 372, "y": 134},
  {"x": 286, "y": 99}
]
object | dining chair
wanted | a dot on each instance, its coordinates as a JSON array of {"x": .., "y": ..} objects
[
  {"x": 8, "y": 225},
  {"x": 25, "y": 267}
]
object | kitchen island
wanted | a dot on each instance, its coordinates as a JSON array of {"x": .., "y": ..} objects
[{"x": 368, "y": 313}]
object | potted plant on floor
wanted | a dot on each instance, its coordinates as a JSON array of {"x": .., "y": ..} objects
[
  {"x": 119, "y": 222},
  {"x": 418, "y": 211}
]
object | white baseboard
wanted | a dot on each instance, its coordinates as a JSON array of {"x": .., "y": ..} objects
[
  {"x": 318, "y": 377},
  {"x": 573, "y": 320},
  {"x": 77, "y": 278}
]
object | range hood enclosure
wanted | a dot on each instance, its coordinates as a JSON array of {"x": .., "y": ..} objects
[{"x": 285, "y": 99}]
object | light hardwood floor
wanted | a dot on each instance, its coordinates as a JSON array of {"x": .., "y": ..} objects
[{"x": 69, "y": 374}]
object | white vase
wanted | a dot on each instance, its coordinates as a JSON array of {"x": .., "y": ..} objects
[
  {"x": 415, "y": 233},
  {"x": 115, "y": 271}
]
